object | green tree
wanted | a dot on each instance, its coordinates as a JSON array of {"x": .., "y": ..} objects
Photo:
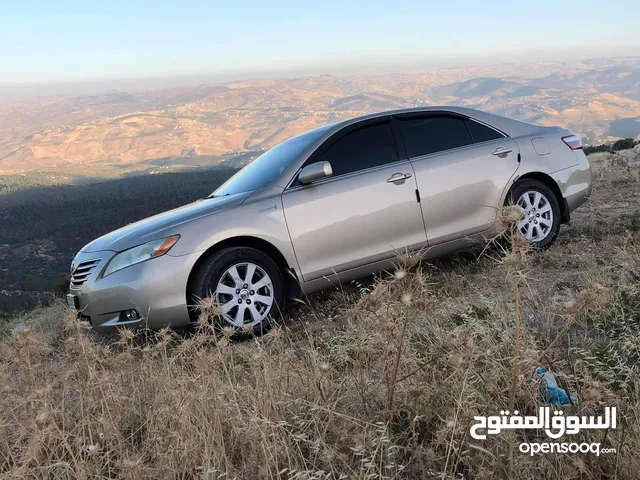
[{"x": 623, "y": 144}]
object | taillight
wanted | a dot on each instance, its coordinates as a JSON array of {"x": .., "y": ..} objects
[{"x": 573, "y": 142}]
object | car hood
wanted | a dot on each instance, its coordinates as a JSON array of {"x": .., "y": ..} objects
[{"x": 162, "y": 225}]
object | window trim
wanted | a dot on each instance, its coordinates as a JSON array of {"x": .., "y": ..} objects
[
  {"x": 442, "y": 113},
  {"x": 294, "y": 187},
  {"x": 335, "y": 137}
]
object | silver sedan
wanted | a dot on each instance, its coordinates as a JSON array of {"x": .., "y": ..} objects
[{"x": 327, "y": 206}]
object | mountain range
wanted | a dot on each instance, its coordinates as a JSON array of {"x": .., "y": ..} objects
[{"x": 149, "y": 131}]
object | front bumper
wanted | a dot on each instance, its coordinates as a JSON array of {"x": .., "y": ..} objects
[{"x": 156, "y": 289}]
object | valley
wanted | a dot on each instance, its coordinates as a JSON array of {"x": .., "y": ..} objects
[{"x": 153, "y": 131}]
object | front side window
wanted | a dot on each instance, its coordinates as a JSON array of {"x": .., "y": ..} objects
[
  {"x": 364, "y": 148},
  {"x": 432, "y": 134}
]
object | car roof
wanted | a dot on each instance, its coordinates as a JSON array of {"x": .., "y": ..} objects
[{"x": 513, "y": 128}]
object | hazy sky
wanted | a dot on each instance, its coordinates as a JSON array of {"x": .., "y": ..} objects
[{"x": 53, "y": 41}]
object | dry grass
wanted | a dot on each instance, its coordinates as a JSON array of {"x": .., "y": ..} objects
[{"x": 372, "y": 381}]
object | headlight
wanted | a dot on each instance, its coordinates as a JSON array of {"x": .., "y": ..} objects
[{"x": 138, "y": 254}]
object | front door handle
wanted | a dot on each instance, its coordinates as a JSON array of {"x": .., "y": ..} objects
[
  {"x": 398, "y": 178},
  {"x": 502, "y": 151}
]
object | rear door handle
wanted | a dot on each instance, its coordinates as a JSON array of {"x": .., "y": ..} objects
[
  {"x": 398, "y": 178},
  {"x": 502, "y": 151}
]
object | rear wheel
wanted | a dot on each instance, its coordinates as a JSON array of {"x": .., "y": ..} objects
[
  {"x": 245, "y": 284},
  {"x": 541, "y": 222}
]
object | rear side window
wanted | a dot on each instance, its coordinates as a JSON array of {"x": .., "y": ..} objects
[
  {"x": 432, "y": 134},
  {"x": 481, "y": 133},
  {"x": 367, "y": 147}
]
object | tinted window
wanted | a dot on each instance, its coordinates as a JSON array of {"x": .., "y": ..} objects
[
  {"x": 364, "y": 148},
  {"x": 480, "y": 133},
  {"x": 431, "y": 134},
  {"x": 266, "y": 168}
]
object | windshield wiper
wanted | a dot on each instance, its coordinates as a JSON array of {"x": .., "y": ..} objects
[{"x": 218, "y": 196}]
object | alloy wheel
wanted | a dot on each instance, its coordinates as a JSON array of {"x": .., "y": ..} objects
[
  {"x": 537, "y": 223},
  {"x": 245, "y": 294}
]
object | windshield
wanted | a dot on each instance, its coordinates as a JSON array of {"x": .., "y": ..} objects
[{"x": 266, "y": 168}]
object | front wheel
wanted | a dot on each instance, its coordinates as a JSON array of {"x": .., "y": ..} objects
[
  {"x": 541, "y": 222},
  {"x": 245, "y": 284}
]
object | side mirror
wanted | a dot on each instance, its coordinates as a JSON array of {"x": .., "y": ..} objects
[{"x": 314, "y": 172}]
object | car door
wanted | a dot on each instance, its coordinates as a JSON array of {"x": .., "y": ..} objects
[
  {"x": 365, "y": 212},
  {"x": 462, "y": 168}
]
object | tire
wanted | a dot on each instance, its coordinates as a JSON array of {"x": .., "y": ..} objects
[
  {"x": 542, "y": 221},
  {"x": 248, "y": 309}
]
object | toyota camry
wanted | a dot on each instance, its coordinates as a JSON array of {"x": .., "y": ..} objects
[{"x": 330, "y": 205}]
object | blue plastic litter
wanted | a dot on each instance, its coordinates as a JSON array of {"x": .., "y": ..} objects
[{"x": 552, "y": 393}]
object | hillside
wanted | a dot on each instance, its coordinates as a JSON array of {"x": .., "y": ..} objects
[
  {"x": 146, "y": 131},
  {"x": 44, "y": 226},
  {"x": 373, "y": 380}
]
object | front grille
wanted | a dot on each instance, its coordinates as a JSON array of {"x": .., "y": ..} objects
[{"x": 82, "y": 272}]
